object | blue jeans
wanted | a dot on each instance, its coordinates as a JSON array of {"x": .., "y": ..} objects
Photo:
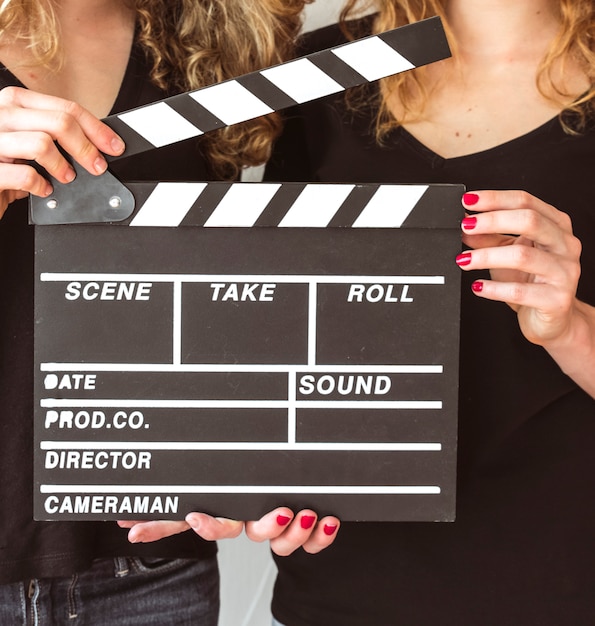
[{"x": 118, "y": 592}]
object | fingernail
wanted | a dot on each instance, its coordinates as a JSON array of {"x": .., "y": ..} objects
[
  {"x": 100, "y": 165},
  {"x": 329, "y": 529},
  {"x": 118, "y": 145},
  {"x": 283, "y": 520},
  {"x": 69, "y": 175},
  {"x": 463, "y": 258},
  {"x": 470, "y": 199},
  {"x": 477, "y": 286},
  {"x": 48, "y": 191},
  {"x": 469, "y": 223},
  {"x": 307, "y": 521}
]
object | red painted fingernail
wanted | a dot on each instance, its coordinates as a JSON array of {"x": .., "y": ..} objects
[
  {"x": 469, "y": 223},
  {"x": 477, "y": 286},
  {"x": 329, "y": 529},
  {"x": 464, "y": 258},
  {"x": 470, "y": 199},
  {"x": 307, "y": 521},
  {"x": 283, "y": 520}
]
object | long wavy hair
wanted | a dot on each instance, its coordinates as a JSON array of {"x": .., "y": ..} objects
[
  {"x": 575, "y": 39},
  {"x": 190, "y": 44}
]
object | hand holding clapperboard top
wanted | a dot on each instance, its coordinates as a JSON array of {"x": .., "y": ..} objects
[{"x": 231, "y": 348}]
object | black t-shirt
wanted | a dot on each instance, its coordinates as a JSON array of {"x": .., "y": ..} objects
[
  {"x": 521, "y": 550},
  {"x": 41, "y": 549}
]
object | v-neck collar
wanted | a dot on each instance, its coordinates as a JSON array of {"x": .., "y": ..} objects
[{"x": 512, "y": 145}]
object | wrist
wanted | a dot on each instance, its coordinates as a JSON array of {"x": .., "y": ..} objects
[{"x": 574, "y": 349}]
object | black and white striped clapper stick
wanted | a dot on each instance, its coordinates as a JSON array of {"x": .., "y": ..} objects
[
  {"x": 237, "y": 100},
  {"x": 295, "y": 82},
  {"x": 291, "y": 205}
]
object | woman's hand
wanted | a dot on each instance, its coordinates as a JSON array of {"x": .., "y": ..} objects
[
  {"x": 288, "y": 532},
  {"x": 30, "y": 125},
  {"x": 285, "y": 531},
  {"x": 535, "y": 270},
  {"x": 207, "y": 527}
]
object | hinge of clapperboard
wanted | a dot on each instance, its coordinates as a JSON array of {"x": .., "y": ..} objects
[{"x": 105, "y": 199}]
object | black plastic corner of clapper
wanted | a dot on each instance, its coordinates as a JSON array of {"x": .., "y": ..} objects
[{"x": 87, "y": 199}]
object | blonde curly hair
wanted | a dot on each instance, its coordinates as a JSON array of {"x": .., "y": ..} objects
[
  {"x": 190, "y": 44},
  {"x": 575, "y": 39}
]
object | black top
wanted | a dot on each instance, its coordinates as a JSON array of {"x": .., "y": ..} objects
[
  {"x": 31, "y": 549},
  {"x": 521, "y": 550}
]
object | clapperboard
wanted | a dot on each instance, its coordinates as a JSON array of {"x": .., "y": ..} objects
[{"x": 233, "y": 347}]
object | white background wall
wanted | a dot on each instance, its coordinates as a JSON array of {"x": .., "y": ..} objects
[
  {"x": 247, "y": 569},
  {"x": 321, "y": 13}
]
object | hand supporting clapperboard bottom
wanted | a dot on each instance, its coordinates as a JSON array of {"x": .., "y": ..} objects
[{"x": 286, "y": 531}]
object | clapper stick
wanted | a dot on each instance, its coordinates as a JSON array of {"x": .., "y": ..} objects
[{"x": 106, "y": 199}]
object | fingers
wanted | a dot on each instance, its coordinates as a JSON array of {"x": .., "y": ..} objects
[
  {"x": 270, "y": 525},
  {"x": 145, "y": 532},
  {"x": 523, "y": 295},
  {"x": 491, "y": 200},
  {"x": 65, "y": 112},
  {"x": 322, "y": 536},
  {"x": 22, "y": 178},
  {"x": 214, "y": 528},
  {"x": 209, "y": 528},
  {"x": 31, "y": 123},
  {"x": 518, "y": 213},
  {"x": 31, "y": 135},
  {"x": 541, "y": 265},
  {"x": 287, "y": 532},
  {"x": 545, "y": 249},
  {"x": 535, "y": 268}
]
